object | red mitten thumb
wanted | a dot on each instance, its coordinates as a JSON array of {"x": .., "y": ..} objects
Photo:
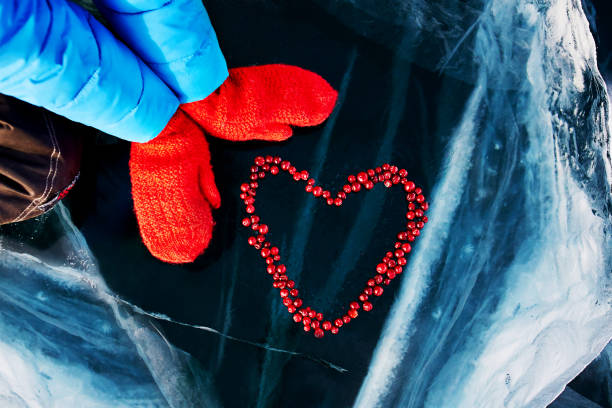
[
  {"x": 263, "y": 102},
  {"x": 173, "y": 189}
]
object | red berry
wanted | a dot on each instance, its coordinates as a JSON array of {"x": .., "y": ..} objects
[
  {"x": 334, "y": 330},
  {"x": 367, "y": 306},
  {"x": 352, "y": 313},
  {"x": 378, "y": 291},
  {"x": 297, "y": 317},
  {"x": 326, "y": 325},
  {"x": 409, "y": 186},
  {"x": 318, "y": 333}
]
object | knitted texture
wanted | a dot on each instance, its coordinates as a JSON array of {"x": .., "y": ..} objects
[
  {"x": 262, "y": 102},
  {"x": 173, "y": 185},
  {"x": 173, "y": 188}
]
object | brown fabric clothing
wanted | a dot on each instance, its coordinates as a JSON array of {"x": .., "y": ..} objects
[{"x": 40, "y": 157}]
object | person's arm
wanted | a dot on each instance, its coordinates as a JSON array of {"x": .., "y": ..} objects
[
  {"x": 56, "y": 55},
  {"x": 175, "y": 38}
]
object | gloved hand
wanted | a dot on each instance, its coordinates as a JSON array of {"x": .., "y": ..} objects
[
  {"x": 173, "y": 188},
  {"x": 263, "y": 102},
  {"x": 172, "y": 181}
]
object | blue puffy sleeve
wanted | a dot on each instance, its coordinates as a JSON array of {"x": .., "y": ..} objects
[
  {"x": 175, "y": 38},
  {"x": 56, "y": 55}
]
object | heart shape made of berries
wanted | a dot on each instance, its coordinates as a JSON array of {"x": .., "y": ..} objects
[{"x": 391, "y": 265}]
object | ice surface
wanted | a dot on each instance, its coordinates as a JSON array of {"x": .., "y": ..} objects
[
  {"x": 507, "y": 295},
  {"x": 516, "y": 300},
  {"x": 69, "y": 341}
]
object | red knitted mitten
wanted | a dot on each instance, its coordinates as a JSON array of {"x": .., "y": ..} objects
[
  {"x": 173, "y": 188},
  {"x": 262, "y": 102},
  {"x": 173, "y": 185}
]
